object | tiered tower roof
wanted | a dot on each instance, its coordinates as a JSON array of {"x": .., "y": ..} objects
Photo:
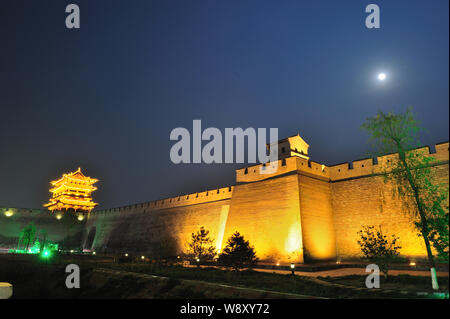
[{"x": 72, "y": 190}]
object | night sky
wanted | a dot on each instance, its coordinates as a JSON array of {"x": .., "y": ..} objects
[{"x": 106, "y": 97}]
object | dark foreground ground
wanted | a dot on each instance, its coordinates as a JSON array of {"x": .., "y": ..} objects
[{"x": 33, "y": 277}]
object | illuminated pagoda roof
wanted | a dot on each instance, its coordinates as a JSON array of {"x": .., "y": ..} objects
[{"x": 72, "y": 190}]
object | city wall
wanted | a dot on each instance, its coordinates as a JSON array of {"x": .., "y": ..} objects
[
  {"x": 359, "y": 198},
  {"x": 304, "y": 212},
  {"x": 163, "y": 224}
]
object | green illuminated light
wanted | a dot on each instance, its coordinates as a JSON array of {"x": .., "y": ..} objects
[{"x": 45, "y": 254}]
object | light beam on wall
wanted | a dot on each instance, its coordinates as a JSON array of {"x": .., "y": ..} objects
[
  {"x": 294, "y": 240},
  {"x": 222, "y": 224}
]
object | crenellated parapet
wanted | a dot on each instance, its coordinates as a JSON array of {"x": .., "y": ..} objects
[
  {"x": 281, "y": 167},
  {"x": 354, "y": 169},
  {"x": 208, "y": 196},
  {"x": 369, "y": 166}
]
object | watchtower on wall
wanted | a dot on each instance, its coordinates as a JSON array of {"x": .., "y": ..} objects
[{"x": 291, "y": 146}]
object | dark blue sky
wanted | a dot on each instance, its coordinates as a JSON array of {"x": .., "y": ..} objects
[{"x": 105, "y": 97}]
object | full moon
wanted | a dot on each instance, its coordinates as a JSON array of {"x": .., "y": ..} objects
[{"x": 381, "y": 76}]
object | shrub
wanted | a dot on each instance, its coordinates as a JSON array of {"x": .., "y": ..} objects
[
  {"x": 238, "y": 253},
  {"x": 378, "y": 248},
  {"x": 201, "y": 246}
]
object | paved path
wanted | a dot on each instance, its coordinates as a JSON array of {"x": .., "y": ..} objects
[
  {"x": 339, "y": 272},
  {"x": 351, "y": 271}
]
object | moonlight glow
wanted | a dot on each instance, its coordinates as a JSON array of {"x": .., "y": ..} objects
[{"x": 381, "y": 76}]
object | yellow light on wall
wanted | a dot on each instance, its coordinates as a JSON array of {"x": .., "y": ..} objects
[
  {"x": 293, "y": 242},
  {"x": 412, "y": 263},
  {"x": 58, "y": 216},
  {"x": 222, "y": 222},
  {"x": 9, "y": 213},
  {"x": 80, "y": 217},
  {"x": 142, "y": 257}
]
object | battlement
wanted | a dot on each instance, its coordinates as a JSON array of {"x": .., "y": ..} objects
[
  {"x": 352, "y": 169},
  {"x": 370, "y": 166},
  {"x": 253, "y": 173},
  {"x": 285, "y": 166},
  {"x": 177, "y": 201}
]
